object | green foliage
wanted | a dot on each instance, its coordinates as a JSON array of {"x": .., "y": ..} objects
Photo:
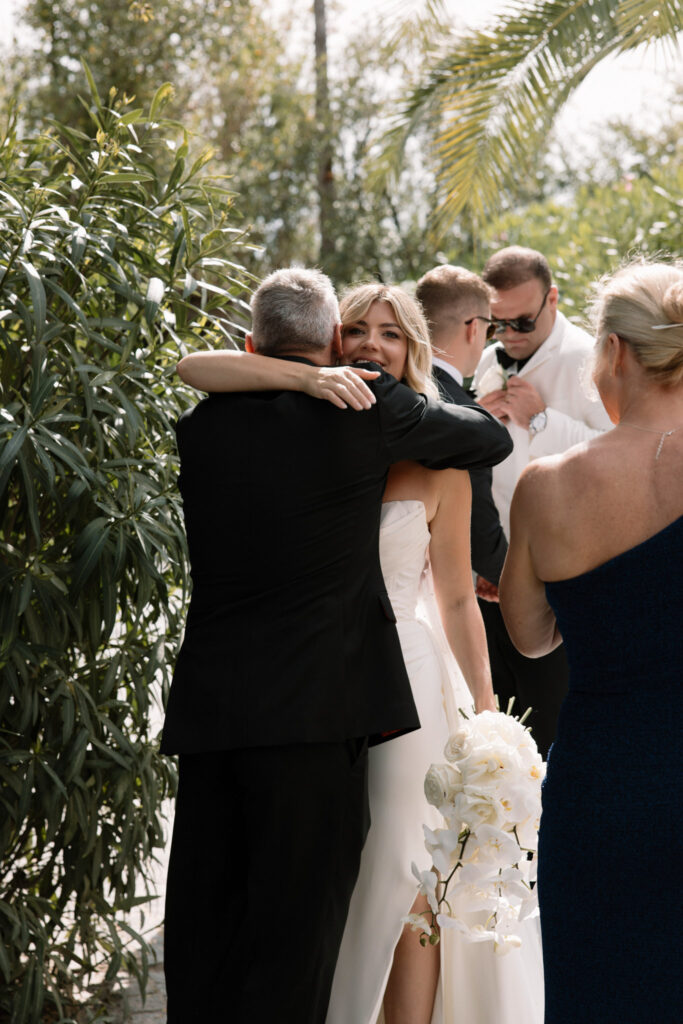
[
  {"x": 129, "y": 45},
  {"x": 243, "y": 86},
  {"x": 609, "y": 213},
  {"x": 499, "y": 89},
  {"x": 108, "y": 268},
  {"x": 259, "y": 113}
]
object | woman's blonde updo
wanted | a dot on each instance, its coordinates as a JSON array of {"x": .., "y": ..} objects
[
  {"x": 355, "y": 303},
  {"x": 643, "y": 304}
]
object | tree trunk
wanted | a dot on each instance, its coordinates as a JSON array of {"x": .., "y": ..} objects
[{"x": 325, "y": 142}]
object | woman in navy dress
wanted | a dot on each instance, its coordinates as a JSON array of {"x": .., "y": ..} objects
[{"x": 596, "y": 559}]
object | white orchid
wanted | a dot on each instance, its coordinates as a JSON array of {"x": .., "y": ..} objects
[
  {"x": 426, "y": 884},
  {"x": 489, "y": 795},
  {"x": 418, "y": 923},
  {"x": 493, "y": 846},
  {"x": 442, "y": 845}
]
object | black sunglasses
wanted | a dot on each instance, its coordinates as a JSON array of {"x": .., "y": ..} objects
[
  {"x": 490, "y": 325},
  {"x": 520, "y": 324}
]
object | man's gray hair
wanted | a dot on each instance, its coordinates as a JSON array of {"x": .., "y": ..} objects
[{"x": 293, "y": 310}]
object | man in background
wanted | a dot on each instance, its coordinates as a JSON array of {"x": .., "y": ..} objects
[
  {"x": 457, "y": 305},
  {"x": 542, "y": 362}
]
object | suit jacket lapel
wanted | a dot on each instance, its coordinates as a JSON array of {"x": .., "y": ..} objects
[{"x": 547, "y": 350}]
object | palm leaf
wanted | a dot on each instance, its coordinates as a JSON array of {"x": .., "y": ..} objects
[{"x": 497, "y": 91}]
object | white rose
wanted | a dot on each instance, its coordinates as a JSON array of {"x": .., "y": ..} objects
[
  {"x": 442, "y": 782},
  {"x": 472, "y": 809},
  {"x": 494, "y": 379},
  {"x": 458, "y": 744}
]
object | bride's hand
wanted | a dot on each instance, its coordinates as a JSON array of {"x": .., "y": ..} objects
[{"x": 344, "y": 386}]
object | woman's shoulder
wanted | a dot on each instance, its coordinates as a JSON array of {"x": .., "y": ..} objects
[
  {"x": 411, "y": 481},
  {"x": 551, "y": 491},
  {"x": 584, "y": 460}
]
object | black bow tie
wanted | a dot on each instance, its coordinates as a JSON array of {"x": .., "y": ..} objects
[{"x": 507, "y": 361}]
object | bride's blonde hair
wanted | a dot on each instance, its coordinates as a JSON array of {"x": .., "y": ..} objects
[{"x": 355, "y": 303}]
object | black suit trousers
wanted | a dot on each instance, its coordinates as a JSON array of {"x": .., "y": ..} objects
[
  {"x": 265, "y": 854},
  {"x": 537, "y": 683}
]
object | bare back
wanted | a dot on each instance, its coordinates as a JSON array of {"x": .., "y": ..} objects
[
  {"x": 600, "y": 499},
  {"x": 447, "y": 497}
]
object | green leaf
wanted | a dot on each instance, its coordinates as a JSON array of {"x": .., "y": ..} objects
[
  {"x": 53, "y": 776},
  {"x": 38, "y": 298},
  {"x": 202, "y": 160},
  {"x": 10, "y": 450},
  {"x": 161, "y": 97},
  {"x": 121, "y": 177},
  {"x": 91, "y": 84},
  {"x": 88, "y": 550},
  {"x": 132, "y": 116},
  {"x": 78, "y": 243}
]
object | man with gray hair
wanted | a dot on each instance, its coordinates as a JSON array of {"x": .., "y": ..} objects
[{"x": 289, "y": 666}]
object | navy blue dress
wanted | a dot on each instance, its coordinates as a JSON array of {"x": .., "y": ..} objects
[{"x": 610, "y": 863}]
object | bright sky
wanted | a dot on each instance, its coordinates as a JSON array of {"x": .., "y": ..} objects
[{"x": 634, "y": 85}]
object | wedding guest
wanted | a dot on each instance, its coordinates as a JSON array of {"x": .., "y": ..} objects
[
  {"x": 595, "y": 558},
  {"x": 290, "y": 663},
  {"x": 547, "y": 408},
  {"x": 457, "y": 305}
]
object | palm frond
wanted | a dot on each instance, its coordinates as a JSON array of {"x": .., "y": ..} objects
[{"x": 496, "y": 93}]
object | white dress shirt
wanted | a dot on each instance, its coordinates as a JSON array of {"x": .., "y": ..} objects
[
  {"x": 451, "y": 370},
  {"x": 558, "y": 370}
]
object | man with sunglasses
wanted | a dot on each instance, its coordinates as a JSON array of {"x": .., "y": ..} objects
[{"x": 547, "y": 406}]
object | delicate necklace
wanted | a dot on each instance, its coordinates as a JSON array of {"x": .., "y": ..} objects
[{"x": 663, "y": 434}]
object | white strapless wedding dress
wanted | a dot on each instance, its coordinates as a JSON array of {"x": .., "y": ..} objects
[{"x": 476, "y": 986}]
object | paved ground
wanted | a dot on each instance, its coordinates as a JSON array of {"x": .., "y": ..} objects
[{"x": 153, "y": 1010}]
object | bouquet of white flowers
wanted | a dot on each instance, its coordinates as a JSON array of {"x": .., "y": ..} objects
[{"x": 489, "y": 794}]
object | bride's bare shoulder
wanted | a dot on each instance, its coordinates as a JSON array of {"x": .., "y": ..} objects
[{"x": 409, "y": 480}]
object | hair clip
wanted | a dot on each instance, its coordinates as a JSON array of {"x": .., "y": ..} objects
[{"x": 664, "y": 327}]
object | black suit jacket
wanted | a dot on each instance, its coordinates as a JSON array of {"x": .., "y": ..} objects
[
  {"x": 290, "y": 635},
  {"x": 488, "y": 541}
]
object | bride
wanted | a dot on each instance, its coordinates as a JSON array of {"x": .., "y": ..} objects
[{"x": 424, "y": 547}]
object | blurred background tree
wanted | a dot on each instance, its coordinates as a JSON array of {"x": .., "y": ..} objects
[{"x": 241, "y": 85}]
